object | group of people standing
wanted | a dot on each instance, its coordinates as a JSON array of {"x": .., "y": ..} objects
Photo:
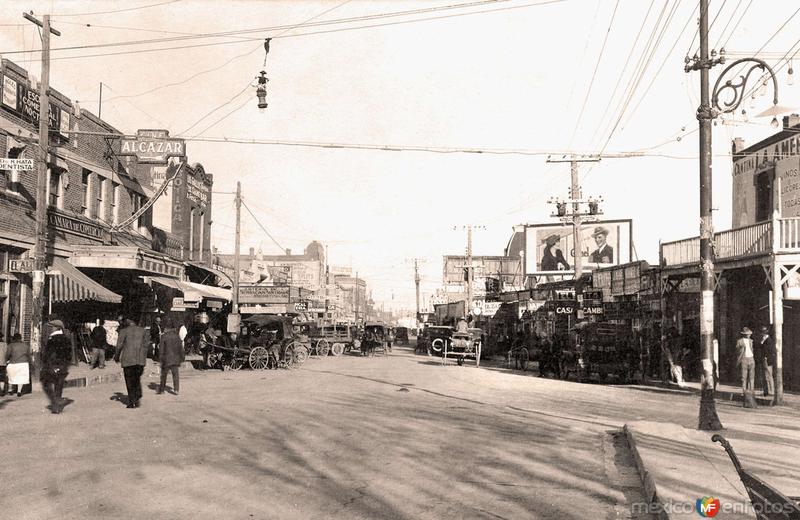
[
  {"x": 755, "y": 359},
  {"x": 133, "y": 345}
]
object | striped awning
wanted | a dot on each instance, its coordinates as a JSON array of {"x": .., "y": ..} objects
[{"x": 67, "y": 284}]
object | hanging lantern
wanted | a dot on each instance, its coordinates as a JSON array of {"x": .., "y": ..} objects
[{"x": 261, "y": 90}]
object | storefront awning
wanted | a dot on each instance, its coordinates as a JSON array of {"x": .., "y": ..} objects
[
  {"x": 194, "y": 292},
  {"x": 122, "y": 257},
  {"x": 67, "y": 284},
  {"x": 224, "y": 279}
]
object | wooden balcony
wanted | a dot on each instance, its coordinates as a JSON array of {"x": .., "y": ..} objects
[{"x": 779, "y": 235}]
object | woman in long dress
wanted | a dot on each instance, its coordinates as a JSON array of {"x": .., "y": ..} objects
[{"x": 19, "y": 364}]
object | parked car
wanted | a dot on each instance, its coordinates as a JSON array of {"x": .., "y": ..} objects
[{"x": 435, "y": 337}]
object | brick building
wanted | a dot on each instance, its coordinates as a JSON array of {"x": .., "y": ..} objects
[{"x": 96, "y": 254}]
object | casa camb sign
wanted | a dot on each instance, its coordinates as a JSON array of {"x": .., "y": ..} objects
[{"x": 152, "y": 146}]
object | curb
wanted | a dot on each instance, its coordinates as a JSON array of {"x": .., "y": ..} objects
[
  {"x": 648, "y": 482},
  {"x": 101, "y": 379},
  {"x": 720, "y": 395}
]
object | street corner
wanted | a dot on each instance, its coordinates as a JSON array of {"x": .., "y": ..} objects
[{"x": 684, "y": 473}]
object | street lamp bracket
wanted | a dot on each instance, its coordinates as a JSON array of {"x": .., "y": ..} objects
[{"x": 737, "y": 87}]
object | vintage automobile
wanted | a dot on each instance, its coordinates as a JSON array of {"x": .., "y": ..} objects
[
  {"x": 375, "y": 338},
  {"x": 336, "y": 338},
  {"x": 464, "y": 345},
  {"x": 436, "y": 337}
]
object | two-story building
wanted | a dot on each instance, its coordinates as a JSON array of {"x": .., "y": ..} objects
[
  {"x": 756, "y": 262},
  {"x": 103, "y": 244}
]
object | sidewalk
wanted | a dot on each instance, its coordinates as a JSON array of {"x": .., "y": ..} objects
[
  {"x": 723, "y": 393},
  {"x": 83, "y": 375},
  {"x": 679, "y": 465}
]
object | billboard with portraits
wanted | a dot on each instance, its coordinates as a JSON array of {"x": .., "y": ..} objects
[{"x": 550, "y": 249}]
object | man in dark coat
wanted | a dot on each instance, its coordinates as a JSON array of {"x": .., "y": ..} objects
[
  {"x": 132, "y": 343},
  {"x": 98, "y": 337},
  {"x": 765, "y": 360},
  {"x": 171, "y": 354},
  {"x": 155, "y": 337},
  {"x": 56, "y": 357}
]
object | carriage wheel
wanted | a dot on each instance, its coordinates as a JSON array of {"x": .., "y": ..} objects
[
  {"x": 337, "y": 349},
  {"x": 300, "y": 355},
  {"x": 214, "y": 360},
  {"x": 236, "y": 363},
  {"x": 460, "y": 361},
  {"x": 323, "y": 347},
  {"x": 522, "y": 359},
  {"x": 259, "y": 358}
]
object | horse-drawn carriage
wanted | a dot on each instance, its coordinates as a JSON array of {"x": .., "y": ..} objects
[
  {"x": 330, "y": 339},
  {"x": 264, "y": 341},
  {"x": 375, "y": 339}
]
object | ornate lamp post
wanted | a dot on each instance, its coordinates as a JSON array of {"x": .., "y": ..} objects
[
  {"x": 738, "y": 87},
  {"x": 708, "y": 418}
]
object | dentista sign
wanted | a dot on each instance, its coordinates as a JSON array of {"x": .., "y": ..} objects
[{"x": 152, "y": 146}]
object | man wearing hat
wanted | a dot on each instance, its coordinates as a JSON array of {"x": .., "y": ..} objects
[
  {"x": 131, "y": 353},
  {"x": 604, "y": 254},
  {"x": 765, "y": 360},
  {"x": 746, "y": 360},
  {"x": 56, "y": 357}
]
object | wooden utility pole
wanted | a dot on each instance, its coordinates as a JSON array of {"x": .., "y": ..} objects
[
  {"x": 234, "y": 318},
  {"x": 577, "y": 218},
  {"x": 416, "y": 282},
  {"x": 356, "y": 313},
  {"x": 470, "y": 276},
  {"x": 40, "y": 245},
  {"x": 708, "y": 418}
]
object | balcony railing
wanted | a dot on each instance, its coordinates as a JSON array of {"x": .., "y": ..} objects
[{"x": 779, "y": 235}]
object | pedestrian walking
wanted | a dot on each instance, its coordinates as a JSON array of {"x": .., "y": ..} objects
[
  {"x": 745, "y": 359},
  {"x": 3, "y": 376},
  {"x": 99, "y": 339},
  {"x": 18, "y": 367},
  {"x": 155, "y": 338},
  {"x": 172, "y": 355},
  {"x": 56, "y": 358},
  {"x": 765, "y": 360},
  {"x": 132, "y": 355}
]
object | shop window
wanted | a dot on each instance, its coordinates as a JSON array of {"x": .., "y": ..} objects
[
  {"x": 115, "y": 202},
  {"x": 763, "y": 182},
  {"x": 136, "y": 204},
  {"x": 101, "y": 203},
  {"x": 86, "y": 183},
  {"x": 55, "y": 196}
]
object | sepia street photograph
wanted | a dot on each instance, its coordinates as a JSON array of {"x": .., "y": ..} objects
[{"x": 399, "y": 259}]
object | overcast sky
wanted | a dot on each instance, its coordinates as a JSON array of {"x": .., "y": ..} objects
[{"x": 516, "y": 76}]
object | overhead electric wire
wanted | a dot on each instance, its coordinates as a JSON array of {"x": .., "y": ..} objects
[
  {"x": 733, "y": 31},
  {"x": 642, "y": 66},
  {"x": 218, "y": 121},
  {"x": 724, "y": 29},
  {"x": 594, "y": 73},
  {"x": 120, "y": 10},
  {"x": 246, "y": 87},
  {"x": 264, "y": 229},
  {"x": 622, "y": 72},
  {"x": 658, "y": 72},
  {"x": 313, "y": 33},
  {"x": 260, "y": 30}
]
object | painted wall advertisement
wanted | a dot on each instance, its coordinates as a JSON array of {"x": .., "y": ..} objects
[
  {"x": 249, "y": 294},
  {"x": 550, "y": 248},
  {"x": 787, "y": 172},
  {"x": 24, "y": 102}
]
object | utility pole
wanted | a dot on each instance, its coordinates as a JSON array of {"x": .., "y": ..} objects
[
  {"x": 233, "y": 319},
  {"x": 416, "y": 282},
  {"x": 577, "y": 218},
  {"x": 327, "y": 285},
  {"x": 356, "y": 313},
  {"x": 708, "y": 418},
  {"x": 40, "y": 245},
  {"x": 470, "y": 277}
]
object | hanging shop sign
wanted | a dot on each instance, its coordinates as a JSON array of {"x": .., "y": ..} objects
[
  {"x": 24, "y": 102},
  {"x": 22, "y": 265},
  {"x": 152, "y": 146},
  {"x": 249, "y": 294},
  {"x": 75, "y": 226},
  {"x": 301, "y": 306},
  {"x": 16, "y": 164},
  {"x": 179, "y": 304}
]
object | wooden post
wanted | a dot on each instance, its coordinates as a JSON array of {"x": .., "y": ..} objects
[{"x": 777, "y": 323}]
